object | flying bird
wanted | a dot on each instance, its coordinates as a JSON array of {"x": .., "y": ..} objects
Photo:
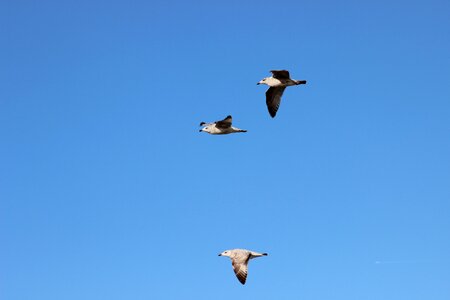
[
  {"x": 239, "y": 260},
  {"x": 220, "y": 127},
  {"x": 278, "y": 82}
]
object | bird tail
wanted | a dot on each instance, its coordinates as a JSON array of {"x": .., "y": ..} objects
[
  {"x": 297, "y": 82},
  {"x": 256, "y": 254}
]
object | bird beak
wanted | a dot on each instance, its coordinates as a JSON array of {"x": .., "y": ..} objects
[
  {"x": 220, "y": 254},
  {"x": 258, "y": 83},
  {"x": 200, "y": 130}
]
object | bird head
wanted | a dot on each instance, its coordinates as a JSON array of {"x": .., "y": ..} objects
[
  {"x": 262, "y": 81},
  {"x": 205, "y": 129},
  {"x": 225, "y": 253}
]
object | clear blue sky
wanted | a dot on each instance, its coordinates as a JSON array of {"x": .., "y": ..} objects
[{"x": 108, "y": 190}]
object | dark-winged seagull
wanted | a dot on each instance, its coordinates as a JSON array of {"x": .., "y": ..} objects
[
  {"x": 278, "y": 82},
  {"x": 239, "y": 260},
  {"x": 220, "y": 127}
]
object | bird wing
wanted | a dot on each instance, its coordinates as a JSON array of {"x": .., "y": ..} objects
[
  {"x": 273, "y": 99},
  {"x": 225, "y": 123},
  {"x": 280, "y": 74},
  {"x": 240, "y": 267}
]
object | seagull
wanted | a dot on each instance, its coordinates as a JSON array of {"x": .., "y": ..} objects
[
  {"x": 220, "y": 127},
  {"x": 239, "y": 260},
  {"x": 278, "y": 82}
]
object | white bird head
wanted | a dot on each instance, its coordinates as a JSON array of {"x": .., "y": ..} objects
[
  {"x": 226, "y": 253},
  {"x": 263, "y": 81},
  {"x": 205, "y": 129}
]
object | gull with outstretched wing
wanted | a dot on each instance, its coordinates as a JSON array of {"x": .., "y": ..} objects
[
  {"x": 220, "y": 127},
  {"x": 239, "y": 261},
  {"x": 277, "y": 83}
]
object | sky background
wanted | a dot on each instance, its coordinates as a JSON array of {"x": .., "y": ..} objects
[{"x": 108, "y": 190}]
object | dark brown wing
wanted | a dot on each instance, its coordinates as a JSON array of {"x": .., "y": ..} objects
[
  {"x": 273, "y": 99},
  {"x": 280, "y": 74},
  {"x": 240, "y": 269},
  {"x": 225, "y": 123}
]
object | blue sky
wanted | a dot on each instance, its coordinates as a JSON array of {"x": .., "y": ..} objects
[{"x": 108, "y": 190}]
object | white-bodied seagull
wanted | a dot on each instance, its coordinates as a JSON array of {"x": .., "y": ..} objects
[
  {"x": 239, "y": 260},
  {"x": 278, "y": 82},
  {"x": 220, "y": 127}
]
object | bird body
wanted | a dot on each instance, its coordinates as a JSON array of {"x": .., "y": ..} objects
[
  {"x": 220, "y": 127},
  {"x": 239, "y": 260},
  {"x": 277, "y": 84}
]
